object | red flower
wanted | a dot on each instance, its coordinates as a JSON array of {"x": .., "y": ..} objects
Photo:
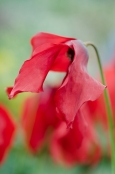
[
  {"x": 52, "y": 52},
  {"x": 7, "y": 129},
  {"x": 39, "y": 118},
  {"x": 39, "y": 121},
  {"x": 64, "y": 143}
]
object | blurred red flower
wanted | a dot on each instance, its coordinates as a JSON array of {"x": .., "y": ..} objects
[
  {"x": 7, "y": 130},
  {"x": 64, "y": 146},
  {"x": 98, "y": 111},
  {"x": 57, "y": 53},
  {"x": 39, "y": 120},
  {"x": 42, "y": 127}
]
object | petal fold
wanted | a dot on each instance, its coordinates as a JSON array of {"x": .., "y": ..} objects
[
  {"x": 34, "y": 71},
  {"x": 44, "y": 38},
  {"x": 78, "y": 87}
]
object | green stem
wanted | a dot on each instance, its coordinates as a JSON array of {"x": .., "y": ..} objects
[{"x": 108, "y": 107}]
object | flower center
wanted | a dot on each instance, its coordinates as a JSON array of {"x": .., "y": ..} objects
[{"x": 70, "y": 54}]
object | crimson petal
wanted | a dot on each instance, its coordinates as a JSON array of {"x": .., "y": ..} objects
[
  {"x": 78, "y": 145},
  {"x": 44, "y": 38},
  {"x": 7, "y": 129},
  {"x": 38, "y": 118},
  {"x": 78, "y": 87},
  {"x": 65, "y": 142},
  {"x": 34, "y": 71}
]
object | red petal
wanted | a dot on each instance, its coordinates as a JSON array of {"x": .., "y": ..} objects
[
  {"x": 61, "y": 62},
  {"x": 7, "y": 129},
  {"x": 66, "y": 146},
  {"x": 8, "y": 91},
  {"x": 38, "y": 118},
  {"x": 65, "y": 142},
  {"x": 28, "y": 119},
  {"x": 78, "y": 87},
  {"x": 44, "y": 38},
  {"x": 90, "y": 150},
  {"x": 34, "y": 71}
]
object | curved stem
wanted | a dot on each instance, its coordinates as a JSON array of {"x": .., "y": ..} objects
[{"x": 108, "y": 107}]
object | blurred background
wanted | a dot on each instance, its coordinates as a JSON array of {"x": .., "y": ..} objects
[{"x": 87, "y": 20}]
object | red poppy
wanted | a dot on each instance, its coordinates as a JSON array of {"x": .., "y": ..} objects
[
  {"x": 64, "y": 143},
  {"x": 39, "y": 121},
  {"x": 7, "y": 129},
  {"x": 52, "y": 52},
  {"x": 39, "y": 118}
]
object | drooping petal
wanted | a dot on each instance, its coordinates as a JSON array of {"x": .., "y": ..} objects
[
  {"x": 8, "y": 90},
  {"x": 34, "y": 71},
  {"x": 61, "y": 61},
  {"x": 41, "y": 42},
  {"x": 44, "y": 38},
  {"x": 98, "y": 108},
  {"x": 28, "y": 119},
  {"x": 7, "y": 129},
  {"x": 90, "y": 151},
  {"x": 65, "y": 142},
  {"x": 78, "y": 87},
  {"x": 66, "y": 146}
]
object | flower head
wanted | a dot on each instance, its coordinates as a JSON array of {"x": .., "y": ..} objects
[
  {"x": 7, "y": 129},
  {"x": 39, "y": 122},
  {"x": 57, "y": 53}
]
